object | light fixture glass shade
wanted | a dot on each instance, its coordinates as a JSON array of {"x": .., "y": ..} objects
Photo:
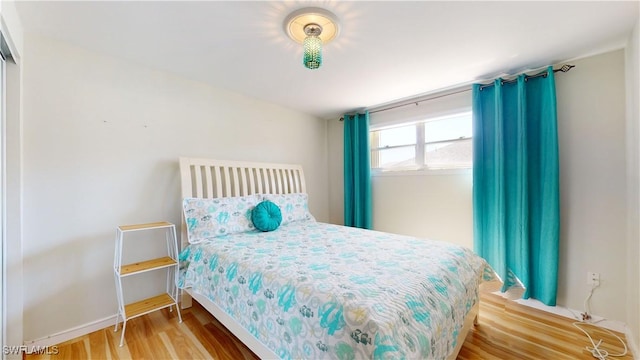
[
  {"x": 312, "y": 52},
  {"x": 312, "y": 27}
]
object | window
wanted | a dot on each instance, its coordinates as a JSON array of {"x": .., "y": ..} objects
[{"x": 433, "y": 144}]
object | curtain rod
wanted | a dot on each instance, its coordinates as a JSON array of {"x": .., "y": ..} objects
[
  {"x": 419, "y": 101},
  {"x": 416, "y": 102},
  {"x": 564, "y": 68}
]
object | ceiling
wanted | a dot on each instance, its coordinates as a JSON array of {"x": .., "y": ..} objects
[{"x": 386, "y": 50}]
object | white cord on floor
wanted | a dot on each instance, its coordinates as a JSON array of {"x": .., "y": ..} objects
[{"x": 596, "y": 351}]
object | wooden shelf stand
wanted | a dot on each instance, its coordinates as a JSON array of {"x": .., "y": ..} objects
[
  {"x": 168, "y": 262},
  {"x": 147, "y": 265}
]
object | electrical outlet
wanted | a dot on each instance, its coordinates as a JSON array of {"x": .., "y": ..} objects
[{"x": 593, "y": 279}]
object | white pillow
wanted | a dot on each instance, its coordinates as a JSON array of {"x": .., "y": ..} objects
[
  {"x": 294, "y": 207},
  {"x": 206, "y": 218}
]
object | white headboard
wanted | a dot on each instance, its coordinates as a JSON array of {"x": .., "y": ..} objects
[{"x": 208, "y": 178}]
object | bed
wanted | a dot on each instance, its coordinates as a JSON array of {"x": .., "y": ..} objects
[{"x": 313, "y": 290}]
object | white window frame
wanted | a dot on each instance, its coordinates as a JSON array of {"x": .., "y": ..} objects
[
  {"x": 5, "y": 54},
  {"x": 3, "y": 203},
  {"x": 420, "y": 145}
]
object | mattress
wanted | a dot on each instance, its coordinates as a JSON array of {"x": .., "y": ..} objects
[{"x": 316, "y": 290}]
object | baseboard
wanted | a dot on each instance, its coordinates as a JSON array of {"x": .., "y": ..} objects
[
  {"x": 614, "y": 325},
  {"x": 73, "y": 333}
]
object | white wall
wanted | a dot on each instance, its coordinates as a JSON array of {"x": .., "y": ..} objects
[
  {"x": 591, "y": 116},
  {"x": 101, "y": 143},
  {"x": 591, "y": 130},
  {"x": 14, "y": 276},
  {"x": 12, "y": 302},
  {"x": 430, "y": 206},
  {"x": 632, "y": 75},
  {"x": 335, "y": 145}
]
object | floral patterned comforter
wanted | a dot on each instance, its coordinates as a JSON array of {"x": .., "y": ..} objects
[{"x": 315, "y": 290}]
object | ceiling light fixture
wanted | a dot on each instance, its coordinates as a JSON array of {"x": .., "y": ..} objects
[{"x": 312, "y": 27}]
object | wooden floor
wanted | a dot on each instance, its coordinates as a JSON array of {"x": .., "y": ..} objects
[{"x": 506, "y": 330}]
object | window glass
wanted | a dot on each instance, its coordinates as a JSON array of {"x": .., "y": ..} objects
[
  {"x": 436, "y": 143},
  {"x": 403, "y": 135},
  {"x": 399, "y": 157},
  {"x": 449, "y": 128},
  {"x": 449, "y": 155}
]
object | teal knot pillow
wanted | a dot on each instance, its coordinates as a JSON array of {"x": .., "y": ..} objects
[{"x": 266, "y": 216}]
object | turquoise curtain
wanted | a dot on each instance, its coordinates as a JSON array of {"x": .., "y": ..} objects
[
  {"x": 516, "y": 206},
  {"x": 357, "y": 172}
]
